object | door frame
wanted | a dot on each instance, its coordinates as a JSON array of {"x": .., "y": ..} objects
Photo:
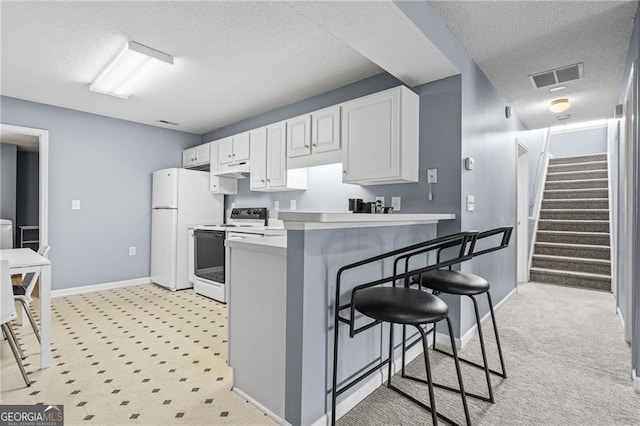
[
  {"x": 43, "y": 138},
  {"x": 522, "y": 211}
]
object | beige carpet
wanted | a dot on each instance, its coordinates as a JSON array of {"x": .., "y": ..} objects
[{"x": 567, "y": 364}]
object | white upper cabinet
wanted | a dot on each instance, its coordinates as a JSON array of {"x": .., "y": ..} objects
[
  {"x": 269, "y": 161},
  {"x": 314, "y": 139},
  {"x": 380, "y": 138},
  {"x": 195, "y": 157},
  {"x": 233, "y": 149},
  {"x": 219, "y": 184}
]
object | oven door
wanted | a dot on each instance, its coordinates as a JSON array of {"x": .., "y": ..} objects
[{"x": 209, "y": 255}]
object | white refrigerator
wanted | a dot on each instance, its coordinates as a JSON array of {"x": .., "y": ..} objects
[{"x": 180, "y": 198}]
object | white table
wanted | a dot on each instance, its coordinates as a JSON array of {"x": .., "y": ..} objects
[{"x": 22, "y": 261}]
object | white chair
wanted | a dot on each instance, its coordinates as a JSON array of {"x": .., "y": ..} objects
[
  {"x": 8, "y": 313},
  {"x": 23, "y": 293}
]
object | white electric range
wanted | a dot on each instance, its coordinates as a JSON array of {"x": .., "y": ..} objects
[{"x": 208, "y": 256}]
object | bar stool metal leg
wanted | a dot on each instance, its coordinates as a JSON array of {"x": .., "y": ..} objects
[
  {"x": 482, "y": 348},
  {"x": 495, "y": 329},
  {"x": 15, "y": 340},
  {"x": 455, "y": 358},
  {"x": 31, "y": 319},
  {"x": 427, "y": 364}
]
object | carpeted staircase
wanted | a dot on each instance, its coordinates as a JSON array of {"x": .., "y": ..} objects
[{"x": 572, "y": 243}]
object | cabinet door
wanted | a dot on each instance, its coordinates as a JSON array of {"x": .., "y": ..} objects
[
  {"x": 188, "y": 157},
  {"x": 213, "y": 157},
  {"x": 299, "y": 136},
  {"x": 258, "y": 161},
  {"x": 240, "y": 147},
  {"x": 371, "y": 137},
  {"x": 276, "y": 156},
  {"x": 225, "y": 151},
  {"x": 202, "y": 154},
  {"x": 325, "y": 130}
]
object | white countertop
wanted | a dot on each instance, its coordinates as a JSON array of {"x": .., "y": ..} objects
[
  {"x": 327, "y": 220},
  {"x": 267, "y": 244}
]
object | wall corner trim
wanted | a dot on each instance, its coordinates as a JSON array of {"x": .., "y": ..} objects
[
  {"x": 474, "y": 330},
  {"x": 99, "y": 287}
]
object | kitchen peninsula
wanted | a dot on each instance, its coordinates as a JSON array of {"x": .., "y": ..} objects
[{"x": 281, "y": 308}]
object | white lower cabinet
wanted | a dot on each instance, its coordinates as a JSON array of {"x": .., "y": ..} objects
[
  {"x": 380, "y": 138},
  {"x": 269, "y": 161}
]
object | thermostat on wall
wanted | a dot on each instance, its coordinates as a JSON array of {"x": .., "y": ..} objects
[{"x": 468, "y": 163}]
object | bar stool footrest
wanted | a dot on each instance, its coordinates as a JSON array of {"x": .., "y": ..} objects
[
  {"x": 474, "y": 364},
  {"x": 449, "y": 388},
  {"x": 422, "y": 404}
]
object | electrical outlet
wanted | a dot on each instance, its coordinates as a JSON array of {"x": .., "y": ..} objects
[
  {"x": 292, "y": 205},
  {"x": 75, "y": 204},
  {"x": 276, "y": 205},
  {"x": 381, "y": 199},
  {"x": 432, "y": 176},
  {"x": 132, "y": 251},
  {"x": 395, "y": 203},
  {"x": 471, "y": 203}
]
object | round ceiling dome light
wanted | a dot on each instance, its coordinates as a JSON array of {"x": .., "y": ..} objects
[{"x": 559, "y": 105}]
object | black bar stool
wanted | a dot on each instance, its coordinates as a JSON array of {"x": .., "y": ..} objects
[
  {"x": 401, "y": 305},
  {"x": 470, "y": 285}
]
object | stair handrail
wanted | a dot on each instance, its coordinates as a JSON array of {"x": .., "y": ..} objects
[{"x": 536, "y": 202}]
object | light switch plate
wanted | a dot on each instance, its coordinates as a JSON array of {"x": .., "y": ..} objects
[
  {"x": 132, "y": 251},
  {"x": 432, "y": 175},
  {"x": 292, "y": 205},
  {"x": 276, "y": 205},
  {"x": 471, "y": 203},
  {"x": 75, "y": 204},
  {"x": 395, "y": 203}
]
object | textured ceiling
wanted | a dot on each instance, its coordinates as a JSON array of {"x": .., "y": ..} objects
[
  {"x": 511, "y": 40},
  {"x": 233, "y": 60}
]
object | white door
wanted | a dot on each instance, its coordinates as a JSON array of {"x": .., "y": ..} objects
[
  {"x": 299, "y": 136},
  {"x": 325, "y": 129},
  {"x": 523, "y": 213},
  {"x": 163, "y": 246},
  {"x": 371, "y": 137},
  {"x": 276, "y": 156},
  {"x": 258, "y": 162},
  {"x": 165, "y": 189}
]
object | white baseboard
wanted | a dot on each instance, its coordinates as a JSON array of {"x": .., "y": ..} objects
[
  {"x": 620, "y": 317},
  {"x": 471, "y": 333},
  {"x": 636, "y": 381},
  {"x": 99, "y": 287},
  {"x": 261, "y": 407}
]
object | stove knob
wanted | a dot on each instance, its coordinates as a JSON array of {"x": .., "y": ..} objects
[
  {"x": 256, "y": 212},
  {"x": 234, "y": 212}
]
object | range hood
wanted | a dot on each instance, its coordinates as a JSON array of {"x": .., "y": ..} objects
[{"x": 238, "y": 170}]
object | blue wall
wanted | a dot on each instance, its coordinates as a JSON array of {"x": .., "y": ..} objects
[
  {"x": 106, "y": 164},
  {"x": 580, "y": 142},
  {"x": 8, "y": 164},
  {"x": 633, "y": 317}
]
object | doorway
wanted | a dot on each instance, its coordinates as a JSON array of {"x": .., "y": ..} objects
[
  {"x": 522, "y": 212},
  {"x": 18, "y": 133}
]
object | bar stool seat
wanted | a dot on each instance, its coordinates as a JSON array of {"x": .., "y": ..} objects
[
  {"x": 454, "y": 282},
  {"x": 400, "y": 305}
]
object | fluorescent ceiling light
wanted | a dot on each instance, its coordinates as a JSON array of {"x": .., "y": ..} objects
[
  {"x": 559, "y": 105},
  {"x": 555, "y": 89},
  {"x": 135, "y": 66}
]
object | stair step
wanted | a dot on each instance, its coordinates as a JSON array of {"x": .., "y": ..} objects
[
  {"x": 577, "y": 184},
  {"x": 572, "y": 279},
  {"x": 572, "y": 264},
  {"x": 587, "y": 174},
  {"x": 573, "y": 225},
  {"x": 575, "y": 193},
  {"x": 578, "y": 159},
  {"x": 582, "y": 251},
  {"x": 578, "y": 167},
  {"x": 576, "y": 203},
  {"x": 575, "y": 214},
  {"x": 563, "y": 237}
]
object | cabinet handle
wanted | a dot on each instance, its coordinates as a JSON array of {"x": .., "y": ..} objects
[
  {"x": 344, "y": 172},
  {"x": 233, "y": 155},
  {"x": 314, "y": 144},
  {"x": 268, "y": 180},
  {"x": 262, "y": 180},
  {"x": 229, "y": 155},
  {"x": 306, "y": 146},
  {"x": 214, "y": 186}
]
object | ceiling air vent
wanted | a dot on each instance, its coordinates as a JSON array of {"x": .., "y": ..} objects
[
  {"x": 557, "y": 76},
  {"x": 168, "y": 122}
]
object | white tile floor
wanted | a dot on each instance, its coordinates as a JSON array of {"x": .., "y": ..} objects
[{"x": 135, "y": 355}]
